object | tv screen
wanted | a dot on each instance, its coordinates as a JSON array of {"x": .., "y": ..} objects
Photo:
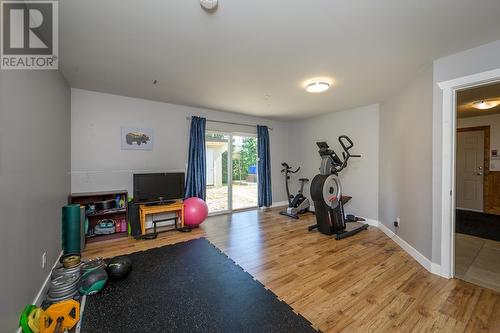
[{"x": 154, "y": 187}]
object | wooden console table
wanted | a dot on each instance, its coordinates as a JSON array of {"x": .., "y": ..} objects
[{"x": 144, "y": 210}]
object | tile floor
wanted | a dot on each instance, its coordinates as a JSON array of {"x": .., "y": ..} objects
[{"x": 477, "y": 261}]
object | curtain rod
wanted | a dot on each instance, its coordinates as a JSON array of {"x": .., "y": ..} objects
[{"x": 230, "y": 123}]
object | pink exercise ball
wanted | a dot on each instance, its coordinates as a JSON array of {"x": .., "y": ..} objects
[{"x": 195, "y": 211}]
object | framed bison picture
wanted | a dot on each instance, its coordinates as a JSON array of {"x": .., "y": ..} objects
[{"x": 134, "y": 138}]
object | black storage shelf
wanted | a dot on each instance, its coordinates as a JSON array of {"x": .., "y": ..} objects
[{"x": 87, "y": 198}]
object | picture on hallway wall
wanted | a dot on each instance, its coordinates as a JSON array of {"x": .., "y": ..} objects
[{"x": 134, "y": 138}]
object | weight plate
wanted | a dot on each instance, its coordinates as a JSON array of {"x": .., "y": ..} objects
[
  {"x": 67, "y": 255},
  {"x": 62, "y": 294},
  {"x": 59, "y": 299},
  {"x": 93, "y": 264},
  {"x": 59, "y": 289},
  {"x": 61, "y": 271},
  {"x": 71, "y": 261},
  {"x": 62, "y": 288},
  {"x": 64, "y": 281}
]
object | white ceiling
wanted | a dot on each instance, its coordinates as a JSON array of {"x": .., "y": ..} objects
[{"x": 252, "y": 56}]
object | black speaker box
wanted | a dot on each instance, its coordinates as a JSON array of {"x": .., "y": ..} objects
[{"x": 133, "y": 219}]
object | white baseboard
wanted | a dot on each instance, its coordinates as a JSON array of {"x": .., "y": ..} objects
[
  {"x": 45, "y": 286},
  {"x": 279, "y": 204},
  {"x": 436, "y": 269},
  {"x": 386, "y": 230},
  {"x": 419, "y": 257},
  {"x": 372, "y": 222},
  {"x": 41, "y": 293},
  {"x": 432, "y": 267},
  {"x": 470, "y": 209}
]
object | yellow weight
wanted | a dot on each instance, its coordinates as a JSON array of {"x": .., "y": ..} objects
[
  {"x": 34, "y": 319},
  {"x": 71, "y": 261},
  {"x": 66, "y": 312}
]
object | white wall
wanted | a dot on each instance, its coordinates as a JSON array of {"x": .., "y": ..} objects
[
  {"x": 406, "y": 162},
  {"x": 360, "y": 178},
  {"x": 34, "y": 182},
  {"x": 98, "y": 163},
  {"x": 476, "y": 60},
  {"x": 494, "y": 122}
]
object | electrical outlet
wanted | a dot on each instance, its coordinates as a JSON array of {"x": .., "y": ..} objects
[{"x": 44, "y": 259}]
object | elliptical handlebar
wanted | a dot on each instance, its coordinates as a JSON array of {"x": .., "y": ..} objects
[
  {"x": 331, "y": 161},
  {"x": 346, "y": 138},
  {"x": 346, "y": 148},
  {"x": 345, "y": 154}
]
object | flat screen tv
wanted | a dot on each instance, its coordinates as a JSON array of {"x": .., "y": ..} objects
[{"x": 158, "y": 187}]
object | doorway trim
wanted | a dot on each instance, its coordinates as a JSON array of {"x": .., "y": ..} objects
[
  {"x": 486, "y": 161},
  {"x": 448, "y": 146}
]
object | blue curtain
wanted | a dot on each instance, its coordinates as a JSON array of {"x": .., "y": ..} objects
[
  {"x": 264, "y": 168},
  {"x": 197, "y": 164}
]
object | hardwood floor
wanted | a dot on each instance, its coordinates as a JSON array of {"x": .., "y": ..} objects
[{"x": 365, "y": 283}]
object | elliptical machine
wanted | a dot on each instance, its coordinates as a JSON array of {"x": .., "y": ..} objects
[
  {"x": 297, "y": 204},
  {"x": 326, "y": 192}
]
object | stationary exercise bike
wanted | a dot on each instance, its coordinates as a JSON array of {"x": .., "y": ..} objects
[
  {"x": 326, "y": 192},
  {"x": 297, "y": 204}
]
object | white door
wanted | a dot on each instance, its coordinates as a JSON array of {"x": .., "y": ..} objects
[{"x": 470, "y": 173}]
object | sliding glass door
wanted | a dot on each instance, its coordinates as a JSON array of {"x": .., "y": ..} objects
[
  {"x": 231, "y": 171},
  {"x": 244, "y": 182},
  {"x": 217, "y": 148}
]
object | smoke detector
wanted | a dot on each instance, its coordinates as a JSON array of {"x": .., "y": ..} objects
[{"x": 209, "y": 4}]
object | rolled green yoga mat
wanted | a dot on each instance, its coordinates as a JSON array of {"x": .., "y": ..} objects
[{"x": 71, "y": 226}]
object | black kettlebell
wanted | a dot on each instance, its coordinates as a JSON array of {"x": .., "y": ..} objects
[{"x": 119, "y": 267}]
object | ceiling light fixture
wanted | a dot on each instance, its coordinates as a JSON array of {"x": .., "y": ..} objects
[
  {"x": 318, "y": 85},
  {"x": 486, "y": 104}
]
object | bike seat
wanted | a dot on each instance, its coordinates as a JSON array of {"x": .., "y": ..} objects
[{"x": 303, "y": 179}]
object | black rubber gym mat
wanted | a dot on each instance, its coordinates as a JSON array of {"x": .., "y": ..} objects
[
  {"x": 478, "y": 224},
  {"x": 188, "y": 287}
]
